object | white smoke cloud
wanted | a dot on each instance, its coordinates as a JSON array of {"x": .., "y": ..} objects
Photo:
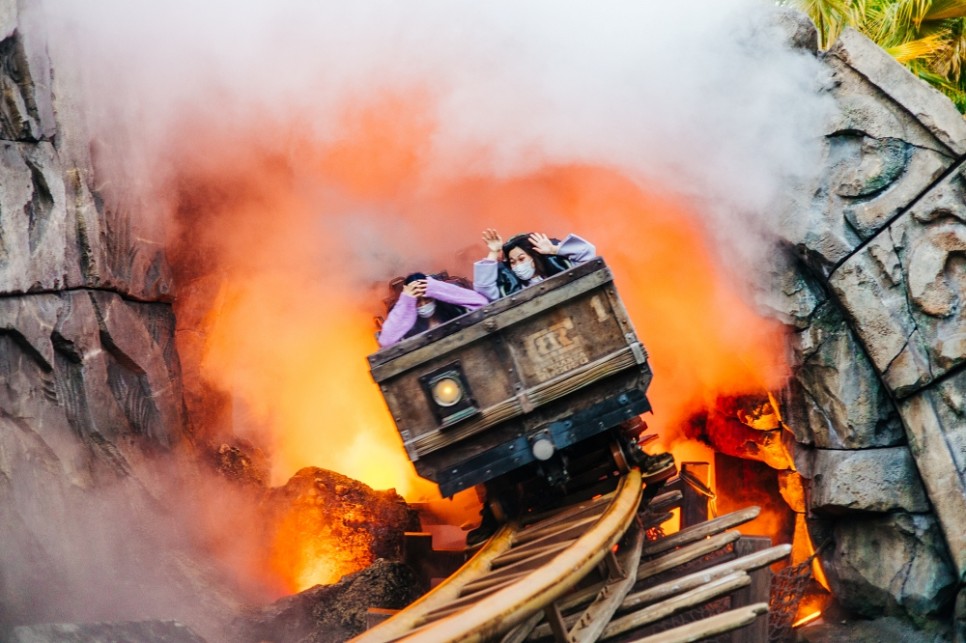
[{"x": 708, "y": 100}]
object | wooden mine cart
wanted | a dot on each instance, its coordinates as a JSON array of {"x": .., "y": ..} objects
[{"x": 522, "y": 382}]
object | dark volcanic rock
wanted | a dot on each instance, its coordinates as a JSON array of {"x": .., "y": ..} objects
[
  {"x": 330, "y": 613},
  {"x": 326, "y": 515},
  {"x": 241, "y": 462}
]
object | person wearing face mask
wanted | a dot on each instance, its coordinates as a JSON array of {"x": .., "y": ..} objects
[
  {"x": 423, "y": 304},
  {"x": 527, "y": 259}
]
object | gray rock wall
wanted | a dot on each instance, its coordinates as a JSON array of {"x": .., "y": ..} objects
[
  {"x": 90, "y": 389},
  {"x": 877, "y": 245},
  {"x": 85, "y": 318}
]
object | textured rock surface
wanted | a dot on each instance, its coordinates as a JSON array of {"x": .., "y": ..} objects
[
  {"x": 26, "y": 111},
  {"x": 57, "y": 229},
  {"x": 91, "y": 405},
  {"x": 92, "y": 365},
  {"x": 331, "y": 613},
  {"x": 904, "y": 291},
  {"x": 929, "y": 110},
  {"x": 891, "y": 136},
  {"x": 874, "y": 294},
  {"x": 879, "y": 480},
  {"x": 92, "y": 543},
  {"x": 877, "y": 233},
  {"x": 936, "y": 421},
  {"x": 891, "y": 564},
  {"x": 836, "y": 400},
  {"x": 904, "y": 288}
]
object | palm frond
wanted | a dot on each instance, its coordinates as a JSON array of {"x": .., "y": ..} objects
[
  {"x": 945, "y": 9},
  {"x": 927, "y": 36},
  {"x": 928, "y": 47},
  {"x": 910, "y": 13},
  {"x": 957, "y": 53},
  {"x": 829, "y": 16},
  {"x": 954, "y": 90}
]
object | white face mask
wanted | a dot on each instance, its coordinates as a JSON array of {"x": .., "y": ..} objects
[
  {"x": 426, "y": 310},
  {"x": 525, "y": 269}
]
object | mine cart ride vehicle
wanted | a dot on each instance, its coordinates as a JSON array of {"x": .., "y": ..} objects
[{"x": 538, "y": 391}]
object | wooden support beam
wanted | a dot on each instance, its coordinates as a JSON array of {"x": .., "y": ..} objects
[
  {"x": 686, "y": 554},
  {"x": 676, "y": 604},
  {"x": 697, "y": 532},
  {"x": 710, "y": 626},
  {"x": 694, "y": 504},
  {"x": 757, "y": 591},
  {"x": 685, "y": 583},
  {"x": 665, "y": 502}
]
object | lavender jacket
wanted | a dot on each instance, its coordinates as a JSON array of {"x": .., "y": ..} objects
[
  {"x": 403, "y": 316},
  {"x": 573, "y": 248}
]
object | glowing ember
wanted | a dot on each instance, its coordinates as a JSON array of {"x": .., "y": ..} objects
[
  {"x": 326, "y": 525},
  {"x": 807, "y": 619}
]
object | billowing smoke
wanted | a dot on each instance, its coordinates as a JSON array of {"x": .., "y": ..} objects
[{"x": 299, "y": 154}]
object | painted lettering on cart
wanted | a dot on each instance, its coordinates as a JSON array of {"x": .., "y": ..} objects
[{"x": 554, "y": 350}]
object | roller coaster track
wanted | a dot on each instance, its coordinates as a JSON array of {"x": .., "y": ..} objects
[{"x": 580, "y": 574}]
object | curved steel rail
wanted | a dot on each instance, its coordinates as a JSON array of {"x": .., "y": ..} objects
[
  {"x": 521, "y": 570},
  {"x": 526, "y": 582}
]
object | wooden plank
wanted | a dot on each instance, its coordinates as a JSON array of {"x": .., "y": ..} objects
[
  {"x": 595, "y": 618},
  {"x": 684, "y": 583},
  {"x": 376, "y": 615},
  {"x": 679, "y": 603},
  {"x": 694, "y": 504},
  {"x": 697, "y": 532},
  {"x": 650, "y": 520},
  {"x": 756, "y": 592},
  {"x": 686, "y": 554},
  {"x": 520, "y": 633},
  {"x": 664, "y": 502},
  {"x": 711, "y": 626},
  {"x": 549, "y": 522}
]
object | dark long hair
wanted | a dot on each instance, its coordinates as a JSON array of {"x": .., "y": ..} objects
[
  {"x": 546, "y": 265},
  {"x": 444, "y": 310}
]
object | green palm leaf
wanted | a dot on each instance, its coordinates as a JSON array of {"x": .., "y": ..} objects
[{"x": 927, "y": 36}]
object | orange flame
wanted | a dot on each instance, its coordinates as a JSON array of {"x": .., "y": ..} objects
[
  {"x": 299, "y": 230},
  {"x": 805, "y": 620}
]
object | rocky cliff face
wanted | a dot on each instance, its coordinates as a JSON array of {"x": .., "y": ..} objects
[
  {"x": 90, "y": 394},
  {"x": 876, "y": 294}
]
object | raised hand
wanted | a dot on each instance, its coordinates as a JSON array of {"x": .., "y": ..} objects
[
  {"x": 543, "y": 244},
  {"x": 494, "y": 243},
  {"x": 493, "y": 240},
  {"x": 415, "y": 289}
]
